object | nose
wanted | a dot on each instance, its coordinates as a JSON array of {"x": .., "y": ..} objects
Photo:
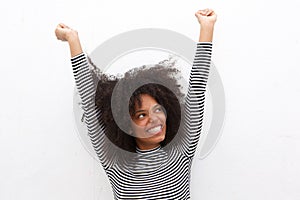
[{"x": 152, "y": 117}]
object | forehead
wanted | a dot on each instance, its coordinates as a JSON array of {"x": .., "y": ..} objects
[{"x": 147, "y": 101}]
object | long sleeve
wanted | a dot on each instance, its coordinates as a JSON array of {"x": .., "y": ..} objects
[
  {"x": 194, "y": 104},
  {"x": 92, "y": 116}
]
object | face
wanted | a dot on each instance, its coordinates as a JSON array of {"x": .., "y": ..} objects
[{"x": 148, "y": 123}]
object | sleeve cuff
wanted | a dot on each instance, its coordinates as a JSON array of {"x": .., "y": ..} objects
[
  {"x": 77, "y": 57},
  {"x": 204, "y": 43}
]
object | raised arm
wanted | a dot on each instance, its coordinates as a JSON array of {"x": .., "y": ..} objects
[
  {"x": 67, "y": 34},
  {"x": 206, "y": 19},
  {"x": 194, "y": 106},
  {"x": 86, "y": 90}
]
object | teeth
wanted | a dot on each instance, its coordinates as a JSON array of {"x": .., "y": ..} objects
[{"x": 155, "y": 129}]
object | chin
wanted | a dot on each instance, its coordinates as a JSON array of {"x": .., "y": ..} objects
[
  {"x": 154, "y": 139},
  {"x": 159, "y": 137}
]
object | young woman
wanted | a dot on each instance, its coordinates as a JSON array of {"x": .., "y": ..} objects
[{"x": 137, "y": 144}]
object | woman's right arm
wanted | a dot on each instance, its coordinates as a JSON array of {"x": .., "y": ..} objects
[
  {"x": 86, "y": 90},
  {"x": 65, "y": 33}
]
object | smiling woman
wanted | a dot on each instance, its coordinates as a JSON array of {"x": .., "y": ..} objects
[
  {"x": 123, "y": 129},
  {"x": 158, "y": 165},
  {"x": 148, "y": 123}
]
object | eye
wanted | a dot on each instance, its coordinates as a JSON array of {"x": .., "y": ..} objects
[
  {"x": 159, "y": 109},
  {"x": 140, "y": 116}
]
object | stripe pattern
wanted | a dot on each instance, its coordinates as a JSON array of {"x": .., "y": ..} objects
[{"x": 160, "y": 173}]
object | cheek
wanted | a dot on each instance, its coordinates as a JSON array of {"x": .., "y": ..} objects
[
  {"x": 163, "y": 118},
  {"x": 138, "y": 130},
  {"x": 139, "y": 123}
]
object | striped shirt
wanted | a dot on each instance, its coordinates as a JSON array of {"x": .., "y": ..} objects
[{"x": 159, "y": 173}]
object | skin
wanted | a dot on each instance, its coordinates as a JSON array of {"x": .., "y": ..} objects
[
  {"x": 148, "y": 123},
  {"x": 206, "y": 19}
]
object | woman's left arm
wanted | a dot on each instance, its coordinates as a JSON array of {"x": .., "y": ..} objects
[{"x": 194, "y": 105}]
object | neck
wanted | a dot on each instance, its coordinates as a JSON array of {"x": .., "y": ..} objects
[{"x": 147, "y": 147}]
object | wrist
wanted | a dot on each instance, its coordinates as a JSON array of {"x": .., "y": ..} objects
[
  {"x": 206, "y": 34},
  {"x": 207, "y": 27},
  {"x": 72, "y": 36}
]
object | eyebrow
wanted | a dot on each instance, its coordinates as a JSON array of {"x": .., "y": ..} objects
[
  {"x": 138, "y": 111},
  {"x": 155, "y": 106}
]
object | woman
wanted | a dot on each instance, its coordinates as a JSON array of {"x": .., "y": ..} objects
[{"x": 156, "y": 163}]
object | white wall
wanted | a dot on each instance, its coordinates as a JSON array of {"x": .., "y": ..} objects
[{"x": 256, "y": 51}]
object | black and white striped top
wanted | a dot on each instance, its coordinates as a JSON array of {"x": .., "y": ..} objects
[{"x": 160, "y": 173}]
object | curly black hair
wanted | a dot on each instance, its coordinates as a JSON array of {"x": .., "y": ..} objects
[{"x": 112, "y": 93}]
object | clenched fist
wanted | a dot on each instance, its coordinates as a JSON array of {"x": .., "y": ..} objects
[
  {"x": 206, "y": 17},
  {"x": 65, "y": 33}
]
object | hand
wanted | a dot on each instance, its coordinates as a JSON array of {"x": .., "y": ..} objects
[
  {"x": 206, "y": 17},
  {"x": 65, "y": 33}
]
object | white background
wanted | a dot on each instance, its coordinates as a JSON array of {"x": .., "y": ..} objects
[{"x": 256, "y": 51}]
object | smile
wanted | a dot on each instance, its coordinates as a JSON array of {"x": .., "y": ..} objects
[{"x": 155, "y": 129}]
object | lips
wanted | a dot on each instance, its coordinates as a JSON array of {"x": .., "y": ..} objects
[{"x": 155, "y": 129}]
